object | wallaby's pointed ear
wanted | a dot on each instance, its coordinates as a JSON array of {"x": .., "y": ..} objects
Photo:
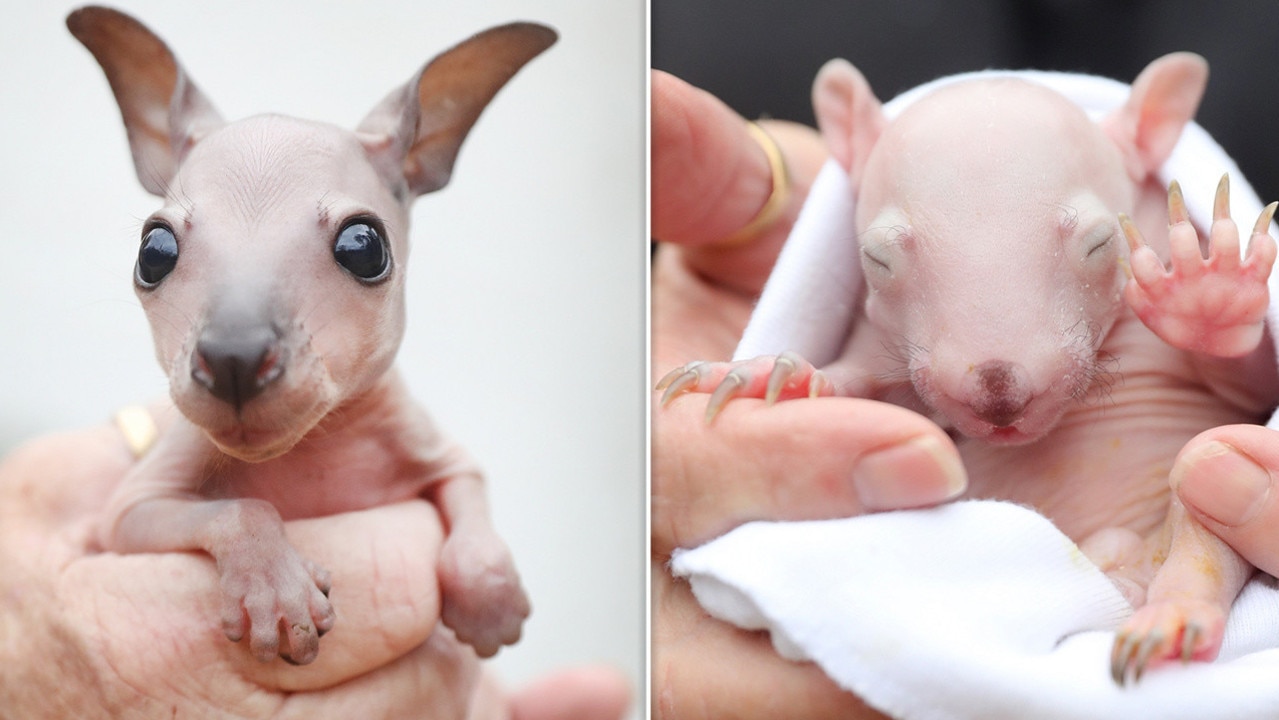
[
  {"x": 164, "y": 112},
  {"x": 416, "y": 132},
  {"x": 849, "y": 115},
  {"x": 1164, "y": 99}
]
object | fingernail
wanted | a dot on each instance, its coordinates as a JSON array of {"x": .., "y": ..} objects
[
  {"x": 917, "y": 472},
  {"x": 1222, "y": 483}
]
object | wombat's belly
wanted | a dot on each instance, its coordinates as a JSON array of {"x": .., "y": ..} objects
[{"x": 1107, "y": 462}]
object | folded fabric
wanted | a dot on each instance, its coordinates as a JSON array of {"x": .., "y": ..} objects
[{"x": 980, "y": 609}]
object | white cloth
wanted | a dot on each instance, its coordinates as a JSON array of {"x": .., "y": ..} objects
[
  {"x": 977, "y": 609},
  {"x": 980, "y": 609}
]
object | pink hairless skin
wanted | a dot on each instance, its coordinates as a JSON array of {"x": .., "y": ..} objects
[
  {"x": 1014, "y": 255},
  {"x": 273, "y": 279}
]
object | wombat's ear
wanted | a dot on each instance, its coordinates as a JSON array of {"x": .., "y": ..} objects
[
  {"x": 164, "y": 112},
  {"x": 414, "y": 135},
  {"x": 849, "y": 115},
  {"x": 1163, "y": 100}
]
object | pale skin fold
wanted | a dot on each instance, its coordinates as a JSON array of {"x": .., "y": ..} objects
[{"x": 997, "y": 301}]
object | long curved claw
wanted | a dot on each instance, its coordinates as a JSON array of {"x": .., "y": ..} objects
[
  {"x": 680, "y": 384},
  {"x": 1177, "y": 211},
  {"x": 783, "y": 369},
  {"x": 1120, "y": 654},
  {"x": 1189, "y": 637},
  {"x": 1221, "y": 202},
  {"x": 1262, "y": 225},
  {"x": 727, "y": 390},
  {"x": 1131, "y": 233},
  {"x": 819, "y": 384},
  {"x": 1152, "y": 641},
  {"x": 669, "y": 377}
]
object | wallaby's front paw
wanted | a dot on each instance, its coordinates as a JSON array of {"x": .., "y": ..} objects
[
  {"x": 1216, "y": 305},
  {"x": 484, "y": 604},
  {"x": 1185, "y": 629},
  {"x": 279, "y": 599},
  {"x": 770, "y": 378}
]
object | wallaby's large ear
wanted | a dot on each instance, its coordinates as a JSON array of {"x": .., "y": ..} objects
[
  {"x": 849, "y": 115},
  {"x": 164, "y": 112},
  {"x": 1164, "y": 99},
  {"x": 416, "y": 132}
]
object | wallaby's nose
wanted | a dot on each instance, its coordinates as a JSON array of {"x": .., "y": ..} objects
[
  {"x": 235, "y": 363},
  {"x": 1003, "y": 392}
]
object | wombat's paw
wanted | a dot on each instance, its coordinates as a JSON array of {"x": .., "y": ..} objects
[
  {"x": 1184, "y": 629},
  {"x": 771, "y": 378},
  {"x": 484, "y": 604},
  {"x": 278, "y": 599},
  {"x": 1214, "y": 305}
]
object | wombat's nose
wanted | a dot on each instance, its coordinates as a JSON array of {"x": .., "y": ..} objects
[
  {"x": 236, "y": 364},
  {"x": 1003, "y": 393}
]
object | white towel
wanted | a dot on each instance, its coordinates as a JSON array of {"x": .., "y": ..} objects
[{"x": 930, "y": 614}]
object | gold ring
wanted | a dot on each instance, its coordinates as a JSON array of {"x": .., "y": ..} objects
[
  {"x": 139, "y": 429},
  {"x": 776, "y": 203}
]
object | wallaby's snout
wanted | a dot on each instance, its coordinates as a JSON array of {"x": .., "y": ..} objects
[{"x": 237, "y": 357}]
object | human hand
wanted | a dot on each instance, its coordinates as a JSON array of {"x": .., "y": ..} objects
[
  {"x": 1227, "y": 478},
  {"x": 828, "y": 457},
  {"x": 98, "y": 635}
]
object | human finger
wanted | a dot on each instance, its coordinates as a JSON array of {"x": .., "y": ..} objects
[
  {"x": 440, "y": 678},
  {"x": 1226, "y": 477},
  {"x": 804, "y": 459},
  {"x": 587, "y": 693},
  {"x": 725, "y": 193},
  {"x": 703, "y": 668}
]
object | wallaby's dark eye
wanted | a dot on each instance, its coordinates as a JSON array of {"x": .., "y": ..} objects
[
  {"x": 361, "y": 248},
  {"x": 157, "y": 256}
]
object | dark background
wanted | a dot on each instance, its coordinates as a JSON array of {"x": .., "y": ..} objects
[{"x": 760, "y": 56}]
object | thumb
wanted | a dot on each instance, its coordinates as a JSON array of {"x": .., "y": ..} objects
[
  {"x": 798, "y": 460},
  {"x": 712, "y": 178},
  {"x": 1226, "y": 478}
]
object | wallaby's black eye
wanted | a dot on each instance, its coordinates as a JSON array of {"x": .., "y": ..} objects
[
  {"x": 360, "y": 247},
  {"x": 157, "y": 256}
]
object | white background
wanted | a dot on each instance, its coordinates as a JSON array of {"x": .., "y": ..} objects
[{"x": 525, "y": 335}]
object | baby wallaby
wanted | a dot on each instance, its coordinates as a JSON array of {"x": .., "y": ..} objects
[
  {"x": 1009, "y": 295},
  {"x": 273, "y": 280}
]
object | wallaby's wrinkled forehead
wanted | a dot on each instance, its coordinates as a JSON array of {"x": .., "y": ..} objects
[
  {"x": 264, "y": 161},
  {"x": 274, "y": 142},
  {"x": 991, "y": 143}
]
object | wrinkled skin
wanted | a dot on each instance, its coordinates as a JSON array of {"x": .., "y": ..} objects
[{"x": 70, "y": 619}]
